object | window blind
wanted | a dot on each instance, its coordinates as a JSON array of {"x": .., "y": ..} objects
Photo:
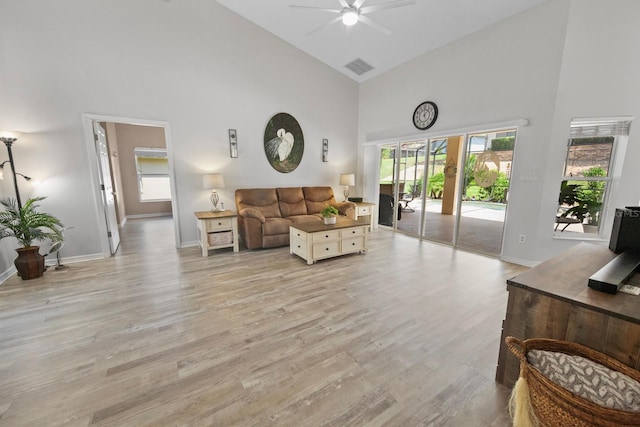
[{"x": 603, "y": 128}]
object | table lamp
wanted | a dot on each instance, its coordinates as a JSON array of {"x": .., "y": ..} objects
[
  {"x": 347, "y": 179},
  {"x": 213, "y": 182}
]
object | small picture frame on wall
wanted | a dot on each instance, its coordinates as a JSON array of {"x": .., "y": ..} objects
[
  {"x": 233, "y": 143},
  {"x": 325, "y": 150}
]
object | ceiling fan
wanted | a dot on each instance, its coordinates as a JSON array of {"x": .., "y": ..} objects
[{"x": 354, "y": 11}]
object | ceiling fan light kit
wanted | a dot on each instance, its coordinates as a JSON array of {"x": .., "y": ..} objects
[
  {"x": 353, "y": 12},
  {"x": 350, "y": 17}
]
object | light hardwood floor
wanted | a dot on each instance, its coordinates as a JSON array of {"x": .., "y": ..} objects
[{"x": 404, "y": 335}]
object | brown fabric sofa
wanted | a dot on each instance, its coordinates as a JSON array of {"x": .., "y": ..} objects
[{"x": 265, "y": 214}]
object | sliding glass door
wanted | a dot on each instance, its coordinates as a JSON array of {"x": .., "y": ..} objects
[
  {"x": 452, "y": 190},
  {"x": 485, "y": 189}
]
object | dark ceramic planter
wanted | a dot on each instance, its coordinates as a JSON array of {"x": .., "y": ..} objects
[{"x": 30, "y": 264}]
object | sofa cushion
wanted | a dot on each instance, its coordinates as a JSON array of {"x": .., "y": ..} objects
[
  {"x": 263, "y": 199},
  {"x": 317, "y": 198},
  {"x": 276, "y": 226},
  {"x": 298, "y": 219},
  {"x": 291, "y": 201}
]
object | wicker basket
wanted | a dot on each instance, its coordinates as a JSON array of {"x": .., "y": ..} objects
[{"x": 554, "y": 405}]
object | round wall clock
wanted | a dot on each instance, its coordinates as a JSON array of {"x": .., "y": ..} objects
[{"x": 425, "y": 115}]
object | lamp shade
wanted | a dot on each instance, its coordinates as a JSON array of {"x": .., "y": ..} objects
[
  {"x": 347, "y": 179},
  {"x": 212, "y": 181}
]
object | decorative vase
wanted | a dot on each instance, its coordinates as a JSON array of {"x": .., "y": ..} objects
[
  {"x": 329, "y": 220},
  {"x": 30, "y": 264},
  {"x": 588, "y": 228}
]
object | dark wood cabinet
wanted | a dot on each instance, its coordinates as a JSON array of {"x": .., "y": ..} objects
[{"x": 552, "y": 300}]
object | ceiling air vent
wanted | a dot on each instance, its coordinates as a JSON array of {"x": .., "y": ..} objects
[{"x": 359, "y": 67}]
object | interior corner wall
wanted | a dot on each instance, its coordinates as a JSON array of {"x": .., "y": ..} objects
[{"x": 191, "y": 63}]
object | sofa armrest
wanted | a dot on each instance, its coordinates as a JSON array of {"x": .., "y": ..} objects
[
  {"x": 347, "y": 209},
  {"x": 252, "y": 213}
]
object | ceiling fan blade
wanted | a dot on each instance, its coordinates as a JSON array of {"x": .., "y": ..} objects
[
  {"x": 324, "y": 25},
  {"x": 370, "y": 22},
  {"x": 358, "y": 3},
  {"x": 343, "y": 3},
  {"x": 316, "y": 8},
  {"x": 390, "y": 5}
]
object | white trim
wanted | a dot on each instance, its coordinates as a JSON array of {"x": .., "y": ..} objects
[
  {"x": 596, "y": 120},
  {"x": 385, "y": 137},
  {"x": 149, "y": 215},
  {"x": 87, "y": 120},
  {"x": 74, "y": 259},
  {"x": 190, "y": 244},
  {"x": 7, "y": 274},
  {"x": 123, "y": 222}
]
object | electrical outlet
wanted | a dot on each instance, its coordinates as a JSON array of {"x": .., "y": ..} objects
[{"x": 522, "y": 238}]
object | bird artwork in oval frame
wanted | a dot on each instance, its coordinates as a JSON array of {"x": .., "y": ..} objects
[{"x": 283, "y": 142}]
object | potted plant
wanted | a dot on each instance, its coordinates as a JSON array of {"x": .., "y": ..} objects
[
  {"x": 27, "y": 225},
  {"x": 329, "y": 214}
]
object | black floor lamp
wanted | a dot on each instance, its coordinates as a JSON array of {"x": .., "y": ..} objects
[{"x": 9, "y": 138}]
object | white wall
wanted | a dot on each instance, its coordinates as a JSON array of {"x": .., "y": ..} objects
[
  {"x": 191, "y": 63},
  {"x": 562, "y": 59},
  {"x": 506, "y": 72},
  {"x": 599, "y": 78}
]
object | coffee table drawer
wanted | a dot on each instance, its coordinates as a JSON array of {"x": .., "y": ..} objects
[
  {"x": 326, "y": 249},
  {"x": 353, "y": 244},
  {"x": 352, "y": 232},
  {"x": 297, "y": 235},
  {"x": 299, "y": 248},
  {"x": 326, "y": 235}
]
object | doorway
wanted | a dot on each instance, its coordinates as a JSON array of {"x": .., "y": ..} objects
[
  {"x": 105, "y": 227},
  {"x": 451, "y": 190}
]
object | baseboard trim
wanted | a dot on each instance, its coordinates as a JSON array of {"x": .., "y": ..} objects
[
  {"x": 151, "y": 215},
  {"x": 50, "y": 262},
  {"x": 123, "y": 222},
  {"x": 7, "y": 273},
  {"x": 74, "y": 259}
]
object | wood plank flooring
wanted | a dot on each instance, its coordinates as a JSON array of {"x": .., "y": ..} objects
[{"x": 404, "y": 335}]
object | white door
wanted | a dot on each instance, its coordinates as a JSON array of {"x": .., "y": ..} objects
[{"x": 106, "y": 188}]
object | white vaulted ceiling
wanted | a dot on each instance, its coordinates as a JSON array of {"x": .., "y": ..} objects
[{"x": 416, "y": 29}]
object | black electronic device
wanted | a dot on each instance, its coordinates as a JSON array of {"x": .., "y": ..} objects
[
  {"x": 355, "y": 199},
  {"x": 613, "y": 275},
  {"x": 625, "y": 234}
]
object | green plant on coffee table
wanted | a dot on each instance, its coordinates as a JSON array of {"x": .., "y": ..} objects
[{"x": 329, "y": 211}]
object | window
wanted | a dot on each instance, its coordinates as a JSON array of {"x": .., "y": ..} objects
[
  {"x": 587, "y": 175},
  {"x": 152, "y": 166}
]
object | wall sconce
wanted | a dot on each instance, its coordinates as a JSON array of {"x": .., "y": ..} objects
[
  {"x": 213, "y": 181},
  {"x": 9, "y": 137},
  {"x": 233, "y": 143},
  {"x": 325, "y": 150},
  {"x": 347, "y": 179}
]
